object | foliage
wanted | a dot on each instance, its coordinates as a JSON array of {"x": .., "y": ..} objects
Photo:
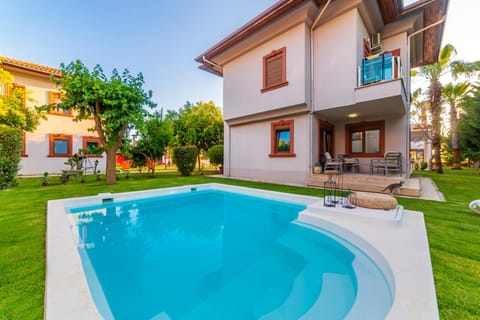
[
  {"x": 454, "y": 95},
  {"x": 155, "y": 135},
  {"x": 11, "y": 144},
  {"x": 469, "y": 127},
  {"x": 14, "y": 120},
  {"x": 12, "y": 111},
  {"x": 200, "y": 125},
  {"x": 184, "y": 158},
  {"x": 432, "y": 73},
  {"x": 215, "y": 154},
  {"x": 114, "y": 103}
]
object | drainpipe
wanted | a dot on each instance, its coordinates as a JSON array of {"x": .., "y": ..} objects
[
  {"x": 409, "y": 84},
  {"x": 312, "y": 87}
]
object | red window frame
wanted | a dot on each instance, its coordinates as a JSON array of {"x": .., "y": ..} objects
[
  {"x": 270, "y": 66},
  {"x": 364, "y": 126},
  {"x": 275, "y": 128},
  {"x": 63, "y": 137}
]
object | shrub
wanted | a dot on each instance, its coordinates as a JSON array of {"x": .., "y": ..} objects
[
  {"x": 215, "y": 154},
  {"x": 423, "y": 165},
  {"x": 10, "y": 151},
  {"x": 185, "y": 158}
]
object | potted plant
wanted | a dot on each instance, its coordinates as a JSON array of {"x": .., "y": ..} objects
[{"x": 317, "y": 168}]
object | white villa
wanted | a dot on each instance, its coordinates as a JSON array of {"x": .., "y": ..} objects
[
  {"x": 57, "y": 137},
  {"x": 309, "y": 76}
]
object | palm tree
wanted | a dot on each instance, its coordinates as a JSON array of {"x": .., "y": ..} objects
[
  {"x": 432, "y": 73},
  {"x": 454, "y": 94}
]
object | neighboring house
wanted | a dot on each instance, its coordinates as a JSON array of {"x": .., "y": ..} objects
[
  {"x": 420, "y": 146},
  {"x": 305, "y": 77},
  {"x": 57, "y": 137}
]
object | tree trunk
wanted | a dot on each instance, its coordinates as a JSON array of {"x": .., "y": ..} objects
[
  {"x": 455, "y": 142},
  {"x": 199, "y": 164},
  {"x": 110, "y": 171},
  {"x": 435, "y": 92}
]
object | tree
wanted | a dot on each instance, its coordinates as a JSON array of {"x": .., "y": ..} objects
[
  {"x": 469, "y": 126},
  {"x": 155, "y": 135},
  {"x": 200, "y": 125},
  {"x": 15, "y": 119},
  {"x": 454, "y": 95},
  {"x": 215, "y": 154},
  {"x": 432, "y": 73},
  {"x": 114, "y": 103}
]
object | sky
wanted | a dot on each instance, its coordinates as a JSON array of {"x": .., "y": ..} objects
[{"x": 159, "y": 38}]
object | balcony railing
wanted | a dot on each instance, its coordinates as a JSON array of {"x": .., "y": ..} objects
[{"x": 379, "y": 68}]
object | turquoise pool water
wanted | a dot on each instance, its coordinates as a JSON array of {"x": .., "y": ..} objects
[{"x": 218, "y": 255}]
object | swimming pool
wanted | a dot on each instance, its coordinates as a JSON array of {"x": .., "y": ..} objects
[
  {"x": 230, "y": 263},
  {"x": 211, "y": 254}
]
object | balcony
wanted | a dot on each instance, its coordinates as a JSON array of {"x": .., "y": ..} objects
[
  {"x": 378, "y": 68},
  {"x": 380, "y": 87}
]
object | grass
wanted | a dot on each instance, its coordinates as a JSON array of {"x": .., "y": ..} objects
[{"x": 453, "y": 231}]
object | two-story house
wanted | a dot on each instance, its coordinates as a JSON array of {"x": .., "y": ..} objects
[
  {"x": 309, "y": 76},
  {"x": 57, "y": 137}
]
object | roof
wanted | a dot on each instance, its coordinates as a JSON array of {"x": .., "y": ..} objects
[
  {"x": 391, "y": 10},
  {"x": 10, "y": 62}
]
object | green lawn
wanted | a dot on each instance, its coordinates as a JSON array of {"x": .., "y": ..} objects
[{"x": 453, "y": 231}]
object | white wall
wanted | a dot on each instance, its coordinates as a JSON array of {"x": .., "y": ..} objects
[
  {"x": 243, "y": 77},
  {"x": 250, "y": 149},
  {"x": 38, "y": 142},
  {"x": 335, "y": 65}
]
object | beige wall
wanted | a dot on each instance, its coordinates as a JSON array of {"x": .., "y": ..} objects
[
  {"x": 37, "y": 142},
  {"x": 243, "y": 77},
  {"x": 249, "y": 145}
]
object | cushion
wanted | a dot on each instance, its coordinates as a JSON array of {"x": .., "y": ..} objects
[{"x": 372, "y": 200}]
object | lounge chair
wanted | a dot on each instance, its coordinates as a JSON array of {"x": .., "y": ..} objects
[
  {"x": 332, "y": 164},
  {"x": 392, "y": 161}
]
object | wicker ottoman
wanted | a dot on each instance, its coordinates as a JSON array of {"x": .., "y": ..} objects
[{"x": 372, "y": 200}]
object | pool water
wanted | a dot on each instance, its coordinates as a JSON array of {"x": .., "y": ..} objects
[{"x": 218, "y": 255}]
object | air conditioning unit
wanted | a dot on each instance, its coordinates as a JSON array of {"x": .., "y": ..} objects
[{"x": 375, "y": 42}]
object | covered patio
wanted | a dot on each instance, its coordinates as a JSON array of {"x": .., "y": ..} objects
[{"x": 370, "y": 183}]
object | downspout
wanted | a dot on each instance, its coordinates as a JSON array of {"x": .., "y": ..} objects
[
  {"x": 312, "y": 89},
  {"x": 409, "y": 84}
]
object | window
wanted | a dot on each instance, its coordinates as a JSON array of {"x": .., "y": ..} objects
[
  {"x": 366, "y": 139},
  {"x": 60, "y": 145},
  {"x": 282, "y": 139},
  {"x": 90, "y": 145},
  {"x": 274, "y": 70},
  {"x": 17, "y": 89},
  {"x": 55, "y": 97}
]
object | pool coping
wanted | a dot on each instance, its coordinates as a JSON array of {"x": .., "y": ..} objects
[{"x": 405, "y": 260}]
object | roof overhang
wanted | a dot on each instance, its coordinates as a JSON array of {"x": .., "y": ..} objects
[
  {"x": 391, "y": 11},
  {"x": 15, "y": 65}
]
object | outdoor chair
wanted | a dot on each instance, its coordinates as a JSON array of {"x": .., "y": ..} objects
[
  {"x": 392, "y": 161},
  {"x": 332, "y": 164}
]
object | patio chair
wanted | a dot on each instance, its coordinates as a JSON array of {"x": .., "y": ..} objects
[
  {"x": 392, "y": 161},
  {"x": 332, "y": 164}
]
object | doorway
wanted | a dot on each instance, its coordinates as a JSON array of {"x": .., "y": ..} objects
[{"x": 326, "y": 140}]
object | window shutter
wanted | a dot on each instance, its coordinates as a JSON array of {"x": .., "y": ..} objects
[{"x": 274, "y": 70}]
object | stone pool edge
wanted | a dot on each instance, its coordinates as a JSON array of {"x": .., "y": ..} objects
[{"x": 399, "y": 248}]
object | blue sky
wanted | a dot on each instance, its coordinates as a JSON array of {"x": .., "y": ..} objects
[{"x": 159, "y": 38}]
